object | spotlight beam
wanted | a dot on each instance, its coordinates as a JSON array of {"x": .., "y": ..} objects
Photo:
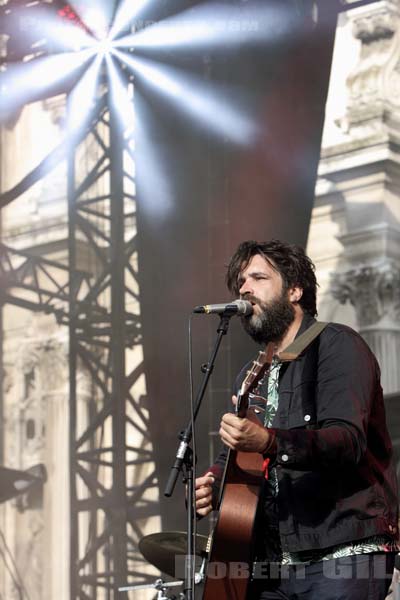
[
  {"x": 22, "y": 82},
  {"x": 119, "y": 96},
  {"x": 125, "y": 15},
  {"x": 45, "y": 167},
  {"x": 63, "y": 35},
  {"x": 201, "y": 100},
  {"x": 214, "y": 25},
  {"x": 202, "y": 25},
  {"x": 82, "y": 97},
  {"x": 157, "y": 200}
]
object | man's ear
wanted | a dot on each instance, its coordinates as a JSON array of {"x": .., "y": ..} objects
[{"x": 295, "y": 294}]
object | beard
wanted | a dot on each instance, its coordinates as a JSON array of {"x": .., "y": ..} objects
[{"x": 272, "y": 324}]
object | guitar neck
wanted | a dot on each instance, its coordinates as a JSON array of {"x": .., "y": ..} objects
[
  {"x": 223, "y": 478},
  {"x": 242, "y": 405}
]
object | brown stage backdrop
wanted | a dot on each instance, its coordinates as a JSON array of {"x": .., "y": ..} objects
[{"x": 199, "y": 195}]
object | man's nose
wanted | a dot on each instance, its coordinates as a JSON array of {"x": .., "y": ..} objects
[{"x": 245, "y": 289}]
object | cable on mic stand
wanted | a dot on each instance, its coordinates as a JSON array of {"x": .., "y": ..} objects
[{"x": 184, "y": 457}]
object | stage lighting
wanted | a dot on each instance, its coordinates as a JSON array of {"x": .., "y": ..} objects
[{"x": 201, "y": 100}]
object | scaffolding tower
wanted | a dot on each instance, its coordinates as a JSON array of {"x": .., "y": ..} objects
[{"x": 113, "y": 485}]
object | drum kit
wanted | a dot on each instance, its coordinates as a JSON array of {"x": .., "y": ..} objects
[{"x": 164, "y": 551}]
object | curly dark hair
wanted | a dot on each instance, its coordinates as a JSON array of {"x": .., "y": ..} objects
[{"x": 294, "y": 266}]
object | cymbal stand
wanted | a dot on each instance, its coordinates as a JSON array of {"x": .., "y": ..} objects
[{"x": 160, "y": 585}]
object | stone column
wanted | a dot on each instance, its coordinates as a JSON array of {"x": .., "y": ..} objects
[
  {"x": 374, "y": 291},
  {"x": 362, "y": 181},
  {"x": 37, "y": 526}
]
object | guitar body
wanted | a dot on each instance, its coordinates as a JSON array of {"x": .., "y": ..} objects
[
  {"x": 231, "y": 555},
  {"x": 230, "y": 559}
]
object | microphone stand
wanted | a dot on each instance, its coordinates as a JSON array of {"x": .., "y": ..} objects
[{"x": 184, "y": 456}]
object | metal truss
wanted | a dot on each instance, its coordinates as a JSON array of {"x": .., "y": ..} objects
[
  {"x": 113, "y": 484},
  {"x": 38, "y": 284},
  {"x": 114, "y": 491}
]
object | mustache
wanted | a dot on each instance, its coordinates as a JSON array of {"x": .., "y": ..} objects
[{"x": 251, "y": 298}]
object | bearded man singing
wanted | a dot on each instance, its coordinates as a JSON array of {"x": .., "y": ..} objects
[{"x": 328, "y": 513}]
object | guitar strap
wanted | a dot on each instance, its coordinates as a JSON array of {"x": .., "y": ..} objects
[{"x": 302, "y": 342}]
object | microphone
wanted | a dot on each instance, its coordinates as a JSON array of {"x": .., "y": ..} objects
[{"x": 236, "y": 307}]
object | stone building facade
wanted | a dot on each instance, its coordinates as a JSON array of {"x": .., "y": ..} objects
[{"x": 354, "y": 236}]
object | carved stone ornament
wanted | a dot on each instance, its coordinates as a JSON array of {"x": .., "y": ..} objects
[
  {"x": 41, "y": 370},
  {"x": 377, "y": 24},
  {"x": 375, "y": 82},
  {"x": 374, "y": 291},
  {"x": 50, "y": 357}
]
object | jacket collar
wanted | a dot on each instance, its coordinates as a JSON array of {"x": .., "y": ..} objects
[{"x": 307, "y": 321}]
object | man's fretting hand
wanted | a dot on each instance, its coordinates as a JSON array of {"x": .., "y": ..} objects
[{"x": 243, "y": 434}]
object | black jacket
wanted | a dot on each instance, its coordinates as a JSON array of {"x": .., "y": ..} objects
[{"x": 337, "y": 482}]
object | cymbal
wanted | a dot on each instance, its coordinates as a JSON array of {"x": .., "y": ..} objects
[{"x": 160, "y": 549}]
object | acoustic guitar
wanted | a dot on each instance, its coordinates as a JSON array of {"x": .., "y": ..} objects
[{"x": 231, "y": 554}]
